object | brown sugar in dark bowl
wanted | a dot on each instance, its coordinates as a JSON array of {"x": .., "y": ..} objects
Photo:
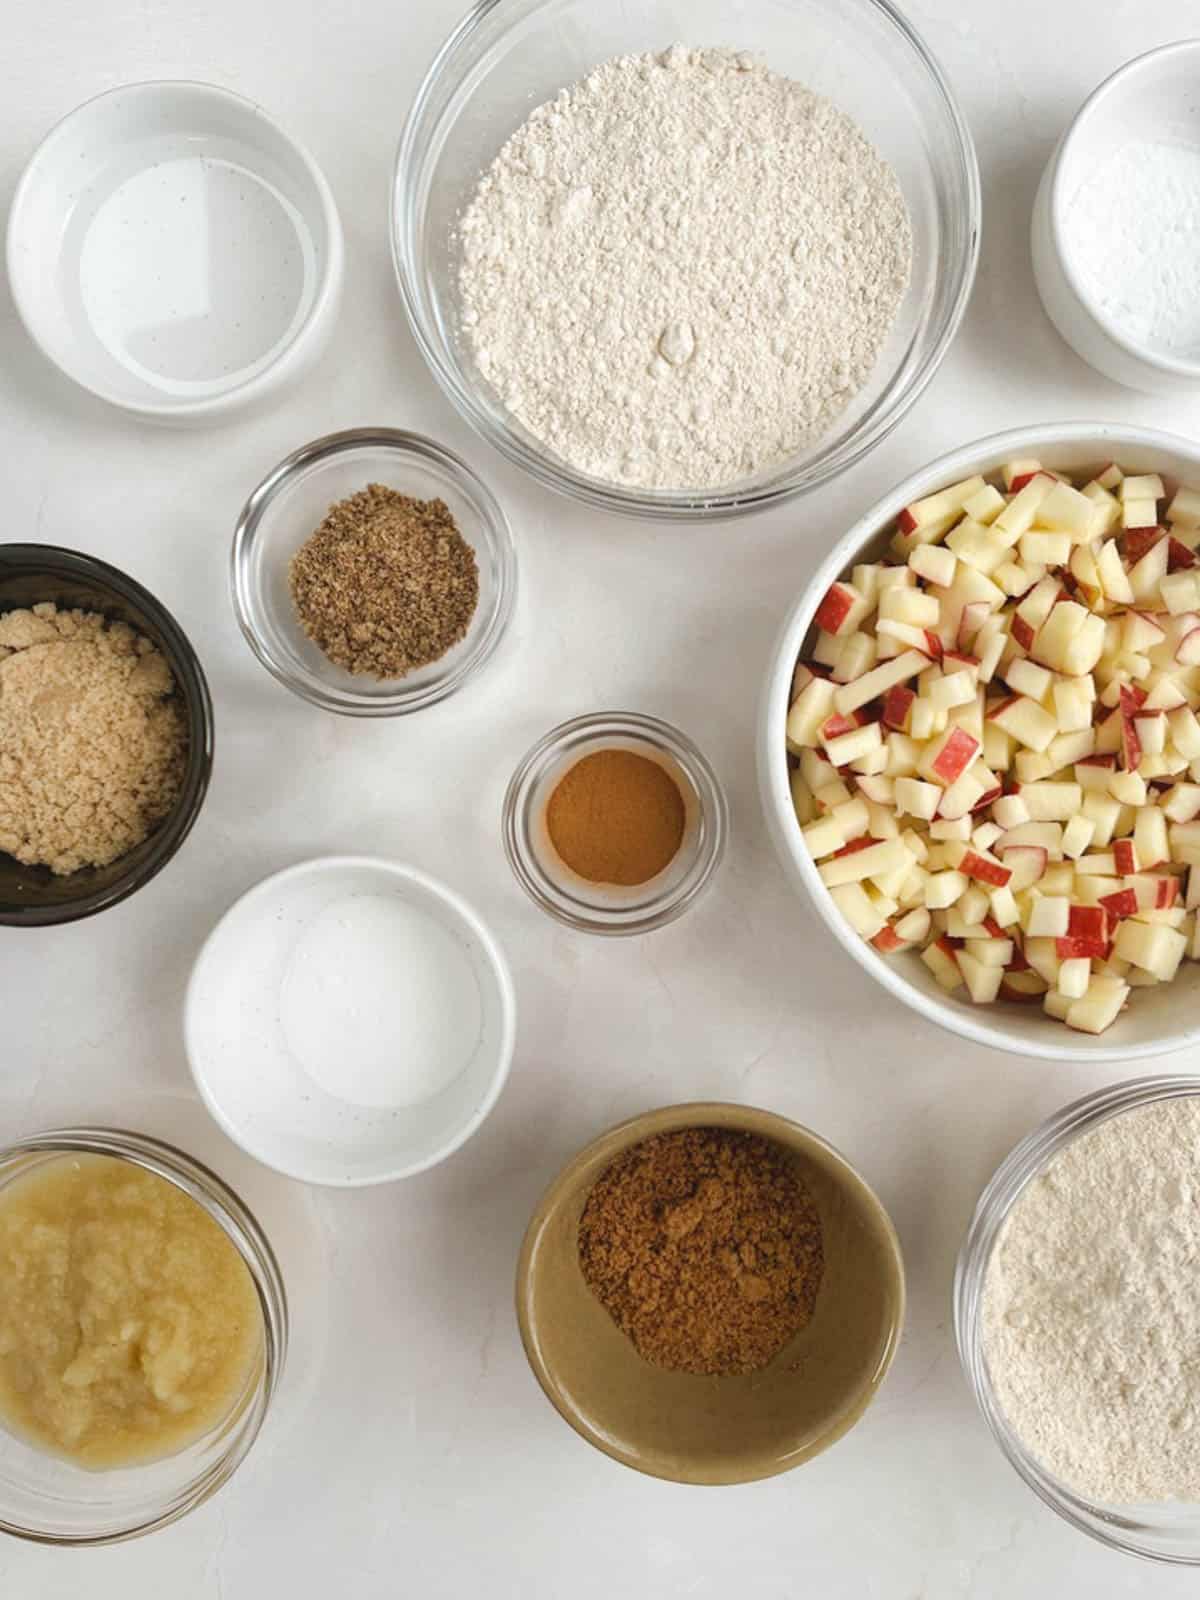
[
  {"x": 30, "y": 574},
  {"x": 699, "y": 1428}
]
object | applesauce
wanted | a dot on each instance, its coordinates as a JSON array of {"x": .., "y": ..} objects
[{"x": 129, "y": 1323}]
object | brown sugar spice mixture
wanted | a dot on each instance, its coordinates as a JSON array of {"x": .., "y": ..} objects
[
  {"x": 386, "y": 584},
  {"x": 92, "y": 738},
  {"x": 705, "y": 1247},
  {"x": 616, "y": 817}
]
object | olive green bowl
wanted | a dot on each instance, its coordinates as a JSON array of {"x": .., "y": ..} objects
[{"x": 702, "y": 1429}]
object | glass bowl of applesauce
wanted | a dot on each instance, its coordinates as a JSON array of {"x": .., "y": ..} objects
[{"x": 143, "y": 1329}]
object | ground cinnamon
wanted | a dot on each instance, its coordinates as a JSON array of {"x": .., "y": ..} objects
[
  {"x": 616, "y": 817},
  {"x": 705, "y": 1246}
]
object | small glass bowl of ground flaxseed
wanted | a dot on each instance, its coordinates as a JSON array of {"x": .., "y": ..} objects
[{"x": 373, "y": 573}]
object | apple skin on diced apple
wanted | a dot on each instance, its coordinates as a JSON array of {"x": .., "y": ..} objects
[
  {"x": 887, "y": 940},
  {"x": 1131, "y": 745},
  {"x": 984, "y": 869},
  {"x": 1125, "y": 856},
  {"x": 1188, "y": 649},
  {"x": 1023, "y": 632},
  {"x": 896, "y": 704},
  {"x": 841, "y": 602},
  {"x": 1179, "y": 557},
  {"x": 1121, "y": 903},
  {"x": 1137, "y": 542},
  {"x": 958, "y": 750}
]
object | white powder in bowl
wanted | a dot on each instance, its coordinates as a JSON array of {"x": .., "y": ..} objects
[
  {"x": 1133, "y": 233},
  {"x": 682, "y": 269},
  {"x": 1091, "y": 1309}
]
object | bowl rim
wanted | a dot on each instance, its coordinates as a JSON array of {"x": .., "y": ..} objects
[
  {"x": 772, "y": 711},
  {"x": 497, "y": 536},
  {"x": 677, "y": 505},
  {"x": 237, "y": 1221},
  {"x": 192, "y": 688},
  {"x": 1024, "y": 1161},
  {"x": 1144, "y": 64},
  {"x": 624, "y": 1135},
  {"x": 306, "y": 334},
  {"x": 462, "y": 912}
]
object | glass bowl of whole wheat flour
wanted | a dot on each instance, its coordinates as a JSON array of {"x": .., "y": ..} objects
[
  {"x": 1087, "y": 1339},
  {"x": 559, "y": 304}
]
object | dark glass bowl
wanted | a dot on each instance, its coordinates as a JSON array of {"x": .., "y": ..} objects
[{"x": 30, "y": 574}]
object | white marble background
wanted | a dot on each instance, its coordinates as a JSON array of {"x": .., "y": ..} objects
[{"x": 411, "y": 1451}]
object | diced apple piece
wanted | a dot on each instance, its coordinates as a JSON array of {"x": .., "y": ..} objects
[
  {"x": 1067, "y": 511},
  {"x": 1073, "y": 700},
  {"x": 977, "y": 546},
  {"x": 1052, "y": 802},
  {"x": 917, "y": 799},
  {"x": 1182, "y": 803},
  {"x": 842, "y": 609},
  {"x": 802, "y": 798},
  {"x": 1034, "y": 610},
  {"x": 912, "y": 606},
  {"x": 1028, "y": 722},
  {"x": 1147, "y": 575},
  {"x": 953, "y": 689},
  {"x": 885, "y": 856},
  {"x": 1129, "y": 788},
  {"x": 850, "y": 696},
  {"x": 1043, "y": 958},
  {"x": 1039, "y": 547},
  {"x": 848, "y": 747},
  {"x": 1142, "y": 486},
  {"x": 1074, "y": 976},
  {"x": 943, "y": 889},
  {"x": 941, "y": 961},
  {"x": 1150, "y": 837},
  {"x": 936, "y": 506},
  {"x": 949, "y": 756},
  {"x": 856, "y": 657},
  {"x": 913, "y": 927},
  {"x": 960, "y": 798},
  {"x": 1049, "y": 917},
  {"x": 1027, "y": 863},
  {"x": 1026, "y": 677},
  {"x": 1181, "y": 591},
  {"x": 984, "y": 869},
  {"x": 1185, "y": 507},
  {"x": 1016, "y": 474},
  {"x": 935, "y": 563},
  {"x": 1152, "y": 734},
  {"x": 1113, "y": 577},
  {"x": 983, "y": 982},
  {"x": 1010, "y": 811},
  {"x": 1155, "y": 948},
  {"x": 823, "y": 837},
  {"x": 809, "y": 712},
  {"x": 1017, "y": 516},
  {"x": 985, "y": 505},
  {"x": 1100, "y": 1006},
  {"x": 858, "y": 909}
]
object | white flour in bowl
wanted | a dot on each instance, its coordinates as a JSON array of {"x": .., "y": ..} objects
[
  {"x": 682, "y": 269},
  {"x": 1091, "y": 1309}
]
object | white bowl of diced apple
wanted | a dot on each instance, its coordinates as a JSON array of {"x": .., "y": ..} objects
[{"x": 979, "y": 747}]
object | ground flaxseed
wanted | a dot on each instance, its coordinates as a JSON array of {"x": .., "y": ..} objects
[
  {"x": 386, "y": 584},
  {"x": 705, "y": 1247}
]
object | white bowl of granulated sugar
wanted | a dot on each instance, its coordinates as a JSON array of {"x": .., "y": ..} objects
[{"x": 1116, "y": 225}]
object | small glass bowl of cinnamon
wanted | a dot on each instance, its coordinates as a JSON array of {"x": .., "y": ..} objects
[{"x": 614, "y": 823}]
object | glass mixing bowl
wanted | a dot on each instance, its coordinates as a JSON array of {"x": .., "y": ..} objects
[
  {"x": 507, "y": 56},
  {"x": 1170, "y": 1532},
  {"x": 52, "y": 1501}
]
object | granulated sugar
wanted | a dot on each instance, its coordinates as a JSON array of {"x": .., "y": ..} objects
[
  {"x": 1091, "y": 1309},
  {"x": 683, "y": 268}
]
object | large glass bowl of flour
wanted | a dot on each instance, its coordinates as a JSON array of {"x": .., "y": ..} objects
[
  {"x": 1164, "y": 1530},
  {"x": 509, "y": 56}
]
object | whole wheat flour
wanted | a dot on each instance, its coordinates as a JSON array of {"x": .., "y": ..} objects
[
  {"x": 1091, "y": 1315},
  {"x": 92, "y": 738},
  {"x": 682, "y": 269}
]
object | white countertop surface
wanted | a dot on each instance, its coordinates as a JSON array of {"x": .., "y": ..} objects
[{"x": 410, "y": 1451}]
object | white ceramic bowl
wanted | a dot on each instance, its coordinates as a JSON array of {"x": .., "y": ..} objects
[
  {"x": 174, "y": 251},
  {"x": 1154, "y": 97},
  {"x": 249, "y": 1075},
  {"x": 1156, "y": 1020}
]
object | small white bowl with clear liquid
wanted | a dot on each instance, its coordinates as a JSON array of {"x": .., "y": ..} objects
[{"x": 174, "y": 251}]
